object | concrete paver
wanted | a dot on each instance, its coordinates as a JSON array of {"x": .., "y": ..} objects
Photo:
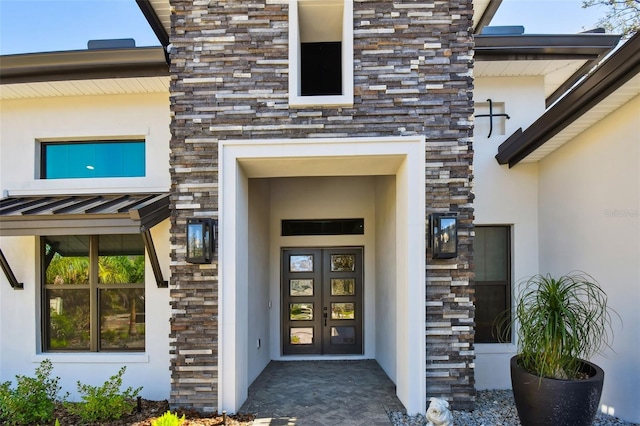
[{"x": 322, "y": 393}]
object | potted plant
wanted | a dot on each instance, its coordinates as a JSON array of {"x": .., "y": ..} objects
[{"x": 560, "y": 323}]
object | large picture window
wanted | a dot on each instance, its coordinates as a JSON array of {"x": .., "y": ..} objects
[
  {"x": 99, "y": 159},
  {"x": 492, "y": 248},
  {"x": 93, "y": 293}
]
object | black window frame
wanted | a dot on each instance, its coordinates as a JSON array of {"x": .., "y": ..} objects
[
  {"x": 508, "y": 291},
  {"x": 93, "y": 287}
]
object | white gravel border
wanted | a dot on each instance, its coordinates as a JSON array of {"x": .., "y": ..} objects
[{"x": 493, "y": 408}]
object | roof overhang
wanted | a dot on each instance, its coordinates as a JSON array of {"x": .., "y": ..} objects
[
  {"x": 158, "y": 15},
  {"x": 562, "y": 59},
  {"x": 483, "y": 13},
  {"x": 82, "y": 214},
  {"x": 585, "y": 46},
  {"x": 83, "y": 65},
  {"x": 622, "y": 67}
]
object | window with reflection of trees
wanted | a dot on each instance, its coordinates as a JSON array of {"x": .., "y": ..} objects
[{"x": 93, "y": 293}]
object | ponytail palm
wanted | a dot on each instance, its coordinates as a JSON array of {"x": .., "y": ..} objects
[{"x": 560, "y": 321}]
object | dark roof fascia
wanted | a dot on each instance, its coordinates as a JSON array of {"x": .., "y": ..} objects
[
  {"x": 615, "y": 71},
  {"x": 152, "y": 18},
  {"x": 83, "y": 65},
  {"x": 585, "y": 46},
  {"x": 487, "y": 15}
]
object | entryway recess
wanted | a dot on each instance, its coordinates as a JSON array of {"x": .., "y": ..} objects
[{"x": 322, "y": 301}]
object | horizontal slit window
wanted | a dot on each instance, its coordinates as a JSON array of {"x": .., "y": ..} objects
[
  {"x": 99, "y": 159},
  {"x": 322, "y": 227}
]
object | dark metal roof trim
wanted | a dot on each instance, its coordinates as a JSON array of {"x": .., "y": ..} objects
[
  {"x": 82, "y": 214},
  {"x": 83, "y": 65},
  {"x": 585, "y": 46},
  {"x": 487, "y": 15},
  {"x": 615, "y": 71},
  {"x": 152, "y": 18},
  {"x": 8, "y": 272}
]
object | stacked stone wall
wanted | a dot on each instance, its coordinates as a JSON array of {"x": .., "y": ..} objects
[{"x": 229, "y": 80}]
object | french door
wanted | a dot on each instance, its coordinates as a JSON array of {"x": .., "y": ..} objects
[{"x": 322, "y": 301}]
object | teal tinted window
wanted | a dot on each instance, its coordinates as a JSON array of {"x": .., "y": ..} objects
[{"x": 93, "y": 159}]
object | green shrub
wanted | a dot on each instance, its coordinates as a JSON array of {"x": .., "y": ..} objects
[
  {"x": 33, "y": 401},
  {"x": 106, "y": 402},
  {"x": 168, "y": 419}
]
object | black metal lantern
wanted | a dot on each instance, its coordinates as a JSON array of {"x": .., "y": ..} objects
[
  {"x": 444, "y": 235},
  {"x": 201, "y": 240}
]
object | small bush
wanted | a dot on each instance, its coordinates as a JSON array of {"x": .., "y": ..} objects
[
  {"x": 168, "y": 419},
  {"x": 33, "y": 401},
  {"x": 106, "y": 402}
]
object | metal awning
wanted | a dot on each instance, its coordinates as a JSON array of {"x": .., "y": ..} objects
[
  {"x": 84, "y": 215},
  {"x": 81, "y": 214}
]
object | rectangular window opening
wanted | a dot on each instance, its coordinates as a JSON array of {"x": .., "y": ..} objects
[
  {"x": 93, "y": 293},
  {"x": 492, "y": 255},
  {"x": 321, "y": 53},
  {"x": 321, "y": 68},
  {"x": 92, "y": 159},
  {"x": 322, "y": 227}
]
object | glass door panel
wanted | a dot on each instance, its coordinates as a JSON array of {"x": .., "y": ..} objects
[{"x": 322, "y": 301}]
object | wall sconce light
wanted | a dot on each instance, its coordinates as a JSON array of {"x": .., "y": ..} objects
[
  {"x": 201, "y": 240},
  {"x": 444, "y": 235}
]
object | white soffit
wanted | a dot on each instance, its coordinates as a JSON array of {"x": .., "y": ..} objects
[
  {"x": 479, "y": 6},
  {"x": 555, "y": 72},
  {"x": 163, "y": 11},
  {"x": 605, "y": 107},
  {"x": 119, "y": 86}
]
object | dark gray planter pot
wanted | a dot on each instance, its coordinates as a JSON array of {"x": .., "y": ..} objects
[{"x": 546, "y": 402}]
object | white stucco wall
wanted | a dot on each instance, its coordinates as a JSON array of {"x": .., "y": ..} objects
[
  {"x": 22, "y": 124},
  {"x": 506, "y": 197},
  {"x": 20, "y": 351},
  {"x": 258, "y": 296},
  {"x": 386, "y": 338},
  {"x": 590, "y": 221}
]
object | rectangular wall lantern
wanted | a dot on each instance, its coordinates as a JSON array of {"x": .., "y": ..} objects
[
  {"x": 201, "y": 240},
  {"x": 444, "y": 235}
]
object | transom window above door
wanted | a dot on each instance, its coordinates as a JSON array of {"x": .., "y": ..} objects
[{"x": 92, "y": 159}]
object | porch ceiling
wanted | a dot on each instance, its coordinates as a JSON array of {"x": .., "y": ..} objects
[{"x": 321, "y": 166}]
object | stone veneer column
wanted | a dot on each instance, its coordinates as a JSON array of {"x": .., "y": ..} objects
[{"x": 229, "y": 79}]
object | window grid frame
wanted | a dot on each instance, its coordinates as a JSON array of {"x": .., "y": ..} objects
[{"x": 93, "y": 287}]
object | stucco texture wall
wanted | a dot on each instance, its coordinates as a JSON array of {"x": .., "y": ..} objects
[{"x": 590, "y": 221}]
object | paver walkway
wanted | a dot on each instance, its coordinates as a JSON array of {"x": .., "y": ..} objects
[{"x": 314, "y": 393}]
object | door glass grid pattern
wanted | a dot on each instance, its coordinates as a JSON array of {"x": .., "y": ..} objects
[{"x": 322, "y": 301}]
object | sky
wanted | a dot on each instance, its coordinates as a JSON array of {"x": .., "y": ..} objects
[{"x": 28, "y": 26}]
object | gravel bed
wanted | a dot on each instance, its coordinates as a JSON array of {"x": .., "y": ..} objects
[{"x": 493, "y": 408}]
